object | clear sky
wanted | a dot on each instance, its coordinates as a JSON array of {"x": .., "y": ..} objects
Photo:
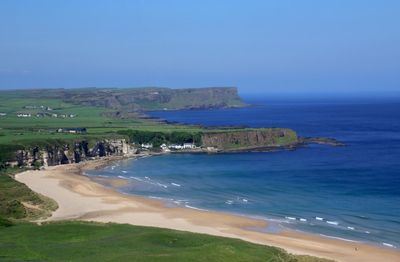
[{"x": 323, "y": 46}]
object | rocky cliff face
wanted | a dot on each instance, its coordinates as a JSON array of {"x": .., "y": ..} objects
[
  {"x": 257, "y": 138},
  {"x": 72, "y": 153}
]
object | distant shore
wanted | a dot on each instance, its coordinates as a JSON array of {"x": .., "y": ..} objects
[{"x": 83, "y": 198}]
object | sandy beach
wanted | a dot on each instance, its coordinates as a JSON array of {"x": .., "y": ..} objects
[{"x": 80, "y": 197}]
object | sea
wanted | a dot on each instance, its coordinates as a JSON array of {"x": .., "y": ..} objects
[{"x": 350, "y": 192}]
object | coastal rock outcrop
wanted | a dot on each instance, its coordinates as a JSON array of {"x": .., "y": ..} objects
[
  {"x": 53, "y": 155},
  {"x": 256, "y": 138}
]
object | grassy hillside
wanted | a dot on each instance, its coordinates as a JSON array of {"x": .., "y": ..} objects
[
  {"x": 18, "y": 202},
  {"x": 79, "y": 241}
]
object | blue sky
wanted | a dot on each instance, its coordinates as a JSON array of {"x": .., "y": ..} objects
[{"x": 332, "y": 46}]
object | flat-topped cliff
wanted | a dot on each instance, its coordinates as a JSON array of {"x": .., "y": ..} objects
[
  {"x": 142, "y": 99},
  {"x": 253, "y": 138}
]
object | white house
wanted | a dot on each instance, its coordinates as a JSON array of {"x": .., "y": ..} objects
[
  {"x": 148, "y": 145},
  {"x": 23, "y": 115},
  {"x": 175, "y": 146},
  {"x": 165, "y": 148},
  {"x": 189, "y": 146}
]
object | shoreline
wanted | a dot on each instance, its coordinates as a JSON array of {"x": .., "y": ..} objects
[{"x": 80, "y": 197}]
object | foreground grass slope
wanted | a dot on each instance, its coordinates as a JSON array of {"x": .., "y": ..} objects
[
  {"x": 82, "y": 241},
  {"x": 18, "y": 202}
]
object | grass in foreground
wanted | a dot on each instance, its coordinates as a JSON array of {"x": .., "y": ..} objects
[
  {"x": 84, "y": 241},
  {"x": 18, "y": 202}
]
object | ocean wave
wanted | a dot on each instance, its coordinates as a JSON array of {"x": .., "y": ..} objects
[
  {"x": 161, "y": 198},
  {"x": 161, "y": 185},
  {"x": 242, "y": 199},
  {"x": 136, "y": 178},
  {"x": 180, "y": 201},
  {"x": 123, "y": 171},
  {"x": 388, "y": 245},
  {"x": 319, "y": 218},
  {"x": 175, "y": 184},
  {"x": 147, "y": 180},
  {"x": 196, "y": 208},
  {"x": 103, "y": 176},
  {"x": 123, "y": 177},
  {"x": 295, "y": 219},
  {"x": 340, "y": 238},
  {"x": 156, "y": 197},
  {"x": 332, "y": 222}
]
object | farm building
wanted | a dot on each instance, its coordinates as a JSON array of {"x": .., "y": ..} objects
[{"x": 77, "y": 130}]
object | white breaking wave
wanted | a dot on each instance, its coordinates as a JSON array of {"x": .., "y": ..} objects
[
  {"x": 196, "y": 208},
  {"x": 388, "y": 245},
  {"x": 351, "y": 228},
  {"x": 340, "y": 238},
  {"x": 123, "y": 171},
  {"x": 333, "y": 223},
  {"x": 162, "y": 185},
  {"x": 303, "y": 220},
  {"x": 291, "y": 218},
  {"x": 175, "y": 184},
  {"x": 319, "y": 218}
]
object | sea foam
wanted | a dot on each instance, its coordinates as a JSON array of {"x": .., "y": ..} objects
[
  {"x": 388, "y": 245},
  {"x": 333, "y": 223}
]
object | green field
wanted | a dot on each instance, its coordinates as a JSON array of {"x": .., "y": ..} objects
[
  {"x": 18, "y": 132},
  {"x": 14, "y": 129},
  {"x": 80, "y": 241}
]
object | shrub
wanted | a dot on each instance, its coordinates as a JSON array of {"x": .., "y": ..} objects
[{"x": 5, "y": 222}]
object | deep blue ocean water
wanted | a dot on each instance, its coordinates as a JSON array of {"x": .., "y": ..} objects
[{"x": 351, "y": 192}]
